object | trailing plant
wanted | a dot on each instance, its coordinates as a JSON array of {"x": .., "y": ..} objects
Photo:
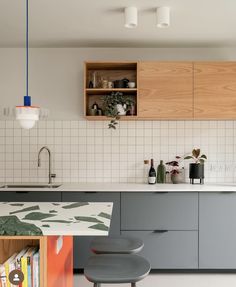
[
  {"x": 110, "y": 103},
  {"x": 196, "y": 156}
]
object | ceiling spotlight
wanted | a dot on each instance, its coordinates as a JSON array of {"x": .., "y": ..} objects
[
  {"x": 163, "y": 17},
  {"x": 131, "y": 17}
]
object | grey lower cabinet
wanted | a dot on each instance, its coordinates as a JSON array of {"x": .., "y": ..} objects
[
  {"x": 168, "y": 225},
  {"x": 151, "y": 211},
  {"x": 217, "y": 230},
  {"x": 170, "y": 249},
  {"x": 82, "y": 243},
  {"x": 29, "y": 196}
]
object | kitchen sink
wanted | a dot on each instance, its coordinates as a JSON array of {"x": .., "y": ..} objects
[{"x": 30, "y": 186}]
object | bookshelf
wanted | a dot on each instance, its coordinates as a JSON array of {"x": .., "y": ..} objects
[{"x": 50, "y": 273}]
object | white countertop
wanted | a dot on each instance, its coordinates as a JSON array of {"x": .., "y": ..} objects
[
  {"x": 133, "y": 187},
  {"x": 59, "y": 218}
]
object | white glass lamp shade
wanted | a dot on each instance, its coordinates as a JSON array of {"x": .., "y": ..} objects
[
  {"x": 163, "y": 17},
  {"x": 27, "y": 116},
  {"x": 131, "y": 17}
]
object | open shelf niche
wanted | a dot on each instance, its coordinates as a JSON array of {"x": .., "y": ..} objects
[
  {"x": 14, "y": 244},
  {"x": 108, "y": 71}
]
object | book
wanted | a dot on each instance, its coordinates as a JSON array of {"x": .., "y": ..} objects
[
  {"x": 18, "y": 260},
  {"x": 29, "y": 255},
  {"x": 2, "y": 276},
  {"x": 36, "y": 269},
  {"x": 9, "y": 265}
]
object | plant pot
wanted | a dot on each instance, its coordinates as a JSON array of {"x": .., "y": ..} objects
[
  {"x": 196, "y": 171},
  {"x": 121, "y": 109},
  {"x": 176, "y": 178}
]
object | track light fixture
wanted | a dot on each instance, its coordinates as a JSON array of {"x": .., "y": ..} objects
[
  {"x": 131, "y": 17},
  {"x": 162, "y": 14},
  {"x": 163, "y": 17}
]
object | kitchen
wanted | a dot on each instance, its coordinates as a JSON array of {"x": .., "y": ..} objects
[{"x": 86, "y": 155}]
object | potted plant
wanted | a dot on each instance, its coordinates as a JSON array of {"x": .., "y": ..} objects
[
  {"x": 175, "y": 172},
  {"x": 196, "y": 169},
  {"x": 116, "y": 105}
]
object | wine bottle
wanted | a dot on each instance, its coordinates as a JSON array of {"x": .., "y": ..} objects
[{"x": 152, "y": 173}]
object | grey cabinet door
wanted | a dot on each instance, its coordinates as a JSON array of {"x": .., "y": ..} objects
[
  {"x": 169, "y": 250},
  {"x": 29, "y": 196},
  {"x": 151, "y": 211},
  {"x": 82, "y": 243},
  {"x": 217, "y": 230}
]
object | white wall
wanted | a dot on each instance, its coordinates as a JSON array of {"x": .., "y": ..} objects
[
  {"x": 86, "y": 151},
  {"x": 56, "y": 75}
]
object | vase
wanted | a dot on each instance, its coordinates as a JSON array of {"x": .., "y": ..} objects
[
  {"x": 121, "y": 109},
  {"x": 176, "y": 178},
  {"x": 196, "y": 171}
]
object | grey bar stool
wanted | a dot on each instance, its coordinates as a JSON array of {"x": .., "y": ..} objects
[
  {"x": 116, "y": 245},
  {"x": 116, "y": 269}
]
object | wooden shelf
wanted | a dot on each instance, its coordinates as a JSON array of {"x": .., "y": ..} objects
[
  {"x": 121, "y": 65},
  {"x": 100, "y": 91},
  {"x": 104, "y": 118}
]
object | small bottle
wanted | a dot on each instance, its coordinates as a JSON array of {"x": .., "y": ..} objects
[
  {"x": 90, "y": 84},
  {"x": 145, "y": 170},
  {"x": 161, "y": 173},
  {"x": 152, "y": 173}
]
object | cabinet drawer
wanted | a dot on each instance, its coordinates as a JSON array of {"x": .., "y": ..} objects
[
  {"x": 29, "y": 196},
  {"x": 82, "y": 243},
  {"x": 151, "y": 211},
  {"x": 169, "y": 250}
]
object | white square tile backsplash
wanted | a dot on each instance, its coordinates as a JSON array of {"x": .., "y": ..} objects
[{"x": 87, "y": 151}]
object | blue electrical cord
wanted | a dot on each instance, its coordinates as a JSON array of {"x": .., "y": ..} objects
[{"x": 27, "y": 98}]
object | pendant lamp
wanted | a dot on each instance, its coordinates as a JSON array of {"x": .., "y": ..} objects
[{"x": 27, "y": 115}]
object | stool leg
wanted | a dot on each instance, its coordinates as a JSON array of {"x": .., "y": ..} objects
[{"x": 133, "y": 284}]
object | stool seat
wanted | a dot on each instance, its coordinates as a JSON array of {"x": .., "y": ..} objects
[
  {"x": 116, "y": 245},
  {"x": 116, "y": 268}
]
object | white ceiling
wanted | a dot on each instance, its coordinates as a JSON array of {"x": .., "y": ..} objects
[{"x": 99, "y": 23}]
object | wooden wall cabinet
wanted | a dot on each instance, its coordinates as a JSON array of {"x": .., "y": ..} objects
[
  {"x": 165, "y": 90},
  {"x": 215, "y": 90},
  {"x": 169, "y": 90}
]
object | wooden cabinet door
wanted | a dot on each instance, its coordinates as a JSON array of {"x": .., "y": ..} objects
[
  {"x": 165, "y": 90},
  {"x": 217, "y": 230},
  {"x": 215, "y": 90}
]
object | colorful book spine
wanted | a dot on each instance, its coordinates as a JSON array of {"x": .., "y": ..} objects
[
  {"x": 36, "y": 270},
  {"x": 24, "y": 271}
]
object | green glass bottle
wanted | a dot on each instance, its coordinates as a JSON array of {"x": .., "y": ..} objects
[{"x": 161, "y": 173}]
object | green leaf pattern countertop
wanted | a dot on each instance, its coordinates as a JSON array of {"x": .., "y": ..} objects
[{"x": 44, "y": 218}]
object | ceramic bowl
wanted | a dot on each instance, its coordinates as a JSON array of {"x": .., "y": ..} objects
[{"x": 131, "y": 85}]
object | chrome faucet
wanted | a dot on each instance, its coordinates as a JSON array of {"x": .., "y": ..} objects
[{"x": 50, "y": 174}]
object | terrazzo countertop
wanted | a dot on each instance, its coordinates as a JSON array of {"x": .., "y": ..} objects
[
  {"x": 44, "y": 218},
  {"x": 133, "y": 187}
]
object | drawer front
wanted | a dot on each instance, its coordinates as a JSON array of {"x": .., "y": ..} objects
[
  {"x": 29, "y": 196},
  {"x": 151, "y": 211},
  {"x": 82, "y": 243},
  {"x": 169, "y": 250}
]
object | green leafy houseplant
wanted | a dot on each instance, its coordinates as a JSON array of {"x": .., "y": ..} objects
[
  {"x": 196, "y": 157},
  {"x": 110, "y": 103}
]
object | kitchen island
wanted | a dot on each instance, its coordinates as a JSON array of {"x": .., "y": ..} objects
[{"x": 51, "y": 227}]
